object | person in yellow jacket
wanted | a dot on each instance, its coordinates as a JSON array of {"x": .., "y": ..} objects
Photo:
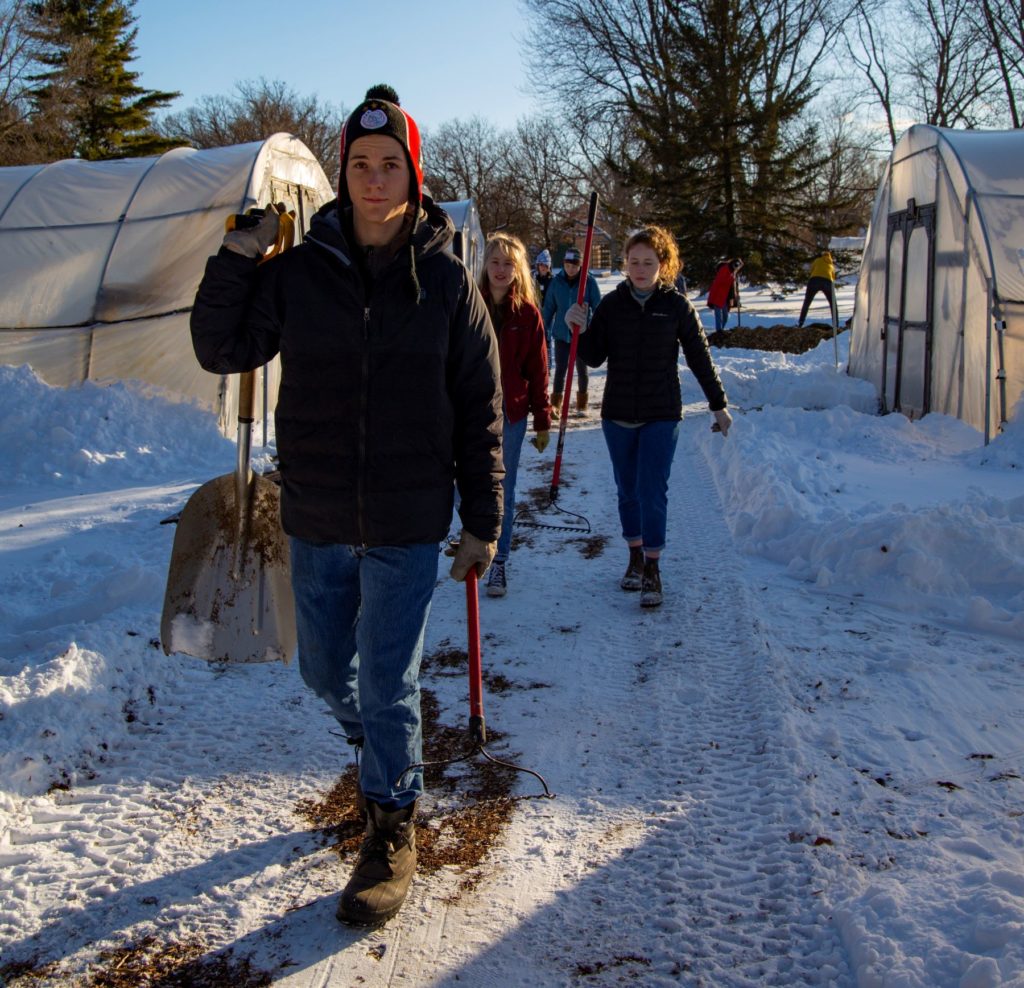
[{"x": 822, "y": 279}]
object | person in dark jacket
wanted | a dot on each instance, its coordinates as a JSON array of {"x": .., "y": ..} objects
[
  {"x": 542, "y": 278},
  {"x": 508, "y": 291},
  {"x": 390, "y": 396},
  {"x": 638, "y": 329},
  {"x": 562, "y": 293}
]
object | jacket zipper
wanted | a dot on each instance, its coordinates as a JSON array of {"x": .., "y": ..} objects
[{"x": 364, "y": 388}]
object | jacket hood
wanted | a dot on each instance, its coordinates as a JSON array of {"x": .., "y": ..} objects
[{"x": 432, "y": 234}]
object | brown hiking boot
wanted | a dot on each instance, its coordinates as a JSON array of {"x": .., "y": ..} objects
[
  {"x": 383, "y": 873},
  {"x": 633, "y": 577},
  {"x": 581, "y": 401},
  {"x": 650, "y": 585},
  {"x": 556, "y": 404}
]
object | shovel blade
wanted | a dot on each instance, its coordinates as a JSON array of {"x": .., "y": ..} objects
[{"x": 229, "y": 595}]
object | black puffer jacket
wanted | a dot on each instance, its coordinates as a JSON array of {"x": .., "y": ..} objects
[
  {"x": 386, "y": 397},
  {"x": 641, "y": 345}
]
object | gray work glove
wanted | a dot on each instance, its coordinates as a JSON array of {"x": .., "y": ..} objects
[
  {"x": 255, "y": 241},
  {"x": 578, "y": 314},
  {"x": 472, "y": 552}
]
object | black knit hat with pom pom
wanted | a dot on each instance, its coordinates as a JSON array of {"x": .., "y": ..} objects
[{"x": 380, "y": 113}]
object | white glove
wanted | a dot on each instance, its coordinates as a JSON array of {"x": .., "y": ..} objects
[
  {"x": 471, "y": 551},
  {"x": 577, "y": 315},
  {"x": 723, "y": 422},
  {"x": 254, "y": 241}
]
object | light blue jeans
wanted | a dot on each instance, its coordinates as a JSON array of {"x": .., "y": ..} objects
[
  {"x": 642, "y": 461},
  {"x": 513, "y": 435},
  {"x": 361, "y": 615}
]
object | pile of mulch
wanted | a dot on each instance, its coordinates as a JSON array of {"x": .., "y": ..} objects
[{"x": 781, "y": 339}]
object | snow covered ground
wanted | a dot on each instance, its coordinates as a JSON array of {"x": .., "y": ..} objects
[{"x": 804, "y": 769}]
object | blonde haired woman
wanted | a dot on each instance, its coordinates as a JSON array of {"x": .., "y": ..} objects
[
  {"x": 639, "y": 328},
  {"x": 508, "y": 289}
]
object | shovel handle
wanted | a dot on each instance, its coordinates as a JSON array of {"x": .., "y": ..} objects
[
  {"x": 477, "y": 728},
  {"x": 246, "y": 397},
  {"x": 285, "y": 239}
]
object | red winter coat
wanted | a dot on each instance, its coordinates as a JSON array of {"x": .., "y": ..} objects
[
  {"x": 523, "y": 352},
  {"x": 720, "y": 294}
]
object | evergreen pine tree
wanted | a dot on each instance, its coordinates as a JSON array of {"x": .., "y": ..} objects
[{"x": 88, "y": 102}]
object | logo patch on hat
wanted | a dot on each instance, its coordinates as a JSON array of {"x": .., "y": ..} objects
[{"x": 373, "y": 119}]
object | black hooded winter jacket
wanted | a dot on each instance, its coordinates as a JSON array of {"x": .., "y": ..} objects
[
  {"x": 641, "y": 344},
  {"x": 387, "y": 396}
]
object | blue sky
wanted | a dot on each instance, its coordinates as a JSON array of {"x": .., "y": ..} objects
[{"x": 446, "y": 58}]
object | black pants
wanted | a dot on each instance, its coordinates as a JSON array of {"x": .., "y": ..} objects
[{"x": 815, "y": 285}]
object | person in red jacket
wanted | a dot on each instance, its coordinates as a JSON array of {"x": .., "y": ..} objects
[
  {"x": 724, "y": 292},
  {"x": 510, "y": 294}
]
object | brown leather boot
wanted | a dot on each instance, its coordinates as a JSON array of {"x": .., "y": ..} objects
[
  {"x": 632, "y": 579},
  {"x": 581, "y": 401},
  {"x": 383, "y": 873},
  {"x": 650, "y": 585},
  {"x": 556, "y": 404}
]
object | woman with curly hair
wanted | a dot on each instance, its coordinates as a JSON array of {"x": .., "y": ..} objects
[
  {"x": 639, "y": 329},
  {"x": 509, "y": 291}
]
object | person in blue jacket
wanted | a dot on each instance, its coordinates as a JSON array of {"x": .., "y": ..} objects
[{"x": 561, "y": 295}]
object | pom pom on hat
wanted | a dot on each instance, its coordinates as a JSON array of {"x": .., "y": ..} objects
[{"x": 381, "y": 113}]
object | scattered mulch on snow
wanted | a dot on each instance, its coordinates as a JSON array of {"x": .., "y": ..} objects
[
  {"x": 174, "y": 965},
  {"x": 471, "y": 801},
  {"x": 781, "y": 339},
  {"x": 591, "y": 546},
  {"x": 149, "y": 963},
  {"x": 22, "y": 974}
]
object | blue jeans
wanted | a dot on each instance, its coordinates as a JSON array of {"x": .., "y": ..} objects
[
  {"x": 511, "y": 447},
  {"x": 642, "y": 461},
  {"x": 361, "y": 615},
  {"x": 721, "y": 316},
  {"x": 562, "y": 365}
]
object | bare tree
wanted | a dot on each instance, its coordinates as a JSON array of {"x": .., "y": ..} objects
[
  {"x": 950, "y": 68},
  {"x": 259, "y": 109},
  {"x": 473, "y": 159},
  {"x": 1001, "y": 24},
  {"x": 868, "y": 43},
  {"x": 540, "y": 158},
  {"x": 844, "y": 190}
]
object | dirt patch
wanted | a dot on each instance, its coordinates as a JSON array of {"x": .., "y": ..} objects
[{"x": 781, "y": 339}]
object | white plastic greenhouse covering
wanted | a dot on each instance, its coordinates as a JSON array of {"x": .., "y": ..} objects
[
  {"x": 938, "y": 324},
  {"x": 100, "y": 261}
]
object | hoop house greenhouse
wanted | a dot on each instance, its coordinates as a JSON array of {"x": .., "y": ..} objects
[
  {"x": 100, "y": 260},
  {"x": 939, "y": 319}
]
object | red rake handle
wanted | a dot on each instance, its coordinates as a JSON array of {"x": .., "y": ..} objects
[
  {"x": 581, "y": 294},
  {"x": 477, "y": 727}
]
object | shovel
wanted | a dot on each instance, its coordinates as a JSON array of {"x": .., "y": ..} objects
[{"x": 229, "y": 595}]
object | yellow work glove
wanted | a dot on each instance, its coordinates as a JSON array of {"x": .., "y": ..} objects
[
  {"x": 541, "y": 440},
  {"x": 472, "y": 552}
]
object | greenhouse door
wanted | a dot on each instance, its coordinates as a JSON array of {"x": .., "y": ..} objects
[{"x": 907, "y": 332}]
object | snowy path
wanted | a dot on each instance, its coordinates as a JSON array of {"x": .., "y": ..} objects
[
  {"x": 189, "y": 831},
  {"x": 679, "y": 866},
  {"x": 764, "y": 782}
]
